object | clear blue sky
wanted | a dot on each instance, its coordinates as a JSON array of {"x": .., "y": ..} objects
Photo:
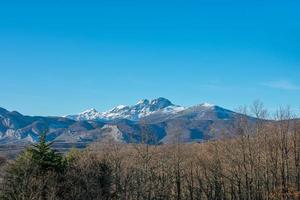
[{"x": 62, "y": 57}]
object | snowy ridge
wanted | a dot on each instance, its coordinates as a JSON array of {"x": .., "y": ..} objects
[
  {"x": 142, "y": 109},
  {"x": 163, "y": 118},
  {"x": 91, "y": 114},
  {"x": 208, "y": 105}
]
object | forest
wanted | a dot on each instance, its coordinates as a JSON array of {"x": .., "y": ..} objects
[{"x": 259, "y": 160}]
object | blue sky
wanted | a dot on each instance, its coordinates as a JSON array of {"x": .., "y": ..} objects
[{"x": 62, "y": 57}]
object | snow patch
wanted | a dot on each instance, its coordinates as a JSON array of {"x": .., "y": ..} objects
[
  {"x": 143, "y": 108},
  {"x": 208, "y": 105}
]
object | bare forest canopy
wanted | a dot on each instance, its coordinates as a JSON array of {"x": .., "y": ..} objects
[{"x": 262, "y": 161}]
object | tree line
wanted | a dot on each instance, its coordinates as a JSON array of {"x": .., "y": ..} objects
[{"x": 261, "y": 160}]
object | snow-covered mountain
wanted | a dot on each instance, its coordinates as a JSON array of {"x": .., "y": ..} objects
[
  {"x": 142, "y": 109},
  {"x": 91, "y": 114},
  {"x": 159, "y": 118}
]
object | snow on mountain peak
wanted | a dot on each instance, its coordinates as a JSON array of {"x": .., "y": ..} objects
[
  {"x": 90, "y": 114},
  {"x": 142, "y": 109},
  {"x": 92, "y": 110},
  {"x": 116, "y": 109},
  {"x": 120, "y": 107},
  {"x": 143, "y": 102},
  {"x": 161, "y": 102},
  {"x": 208, "y": 105}
]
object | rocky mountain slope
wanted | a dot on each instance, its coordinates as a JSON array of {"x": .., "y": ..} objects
[
  {"x": 142, "y": 109},
  {"x": 158, "y": 120}
]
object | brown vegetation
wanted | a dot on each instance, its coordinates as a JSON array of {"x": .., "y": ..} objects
[{"x": 260, "y": 162}]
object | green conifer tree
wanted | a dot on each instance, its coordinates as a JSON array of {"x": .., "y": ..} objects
[
  {"x": 35, "y": 174},
  {"x": 46, "y": 158}
]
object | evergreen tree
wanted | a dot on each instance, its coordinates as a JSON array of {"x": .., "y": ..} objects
[
  {"x": 45, "y": 158},
  {"x": 37, "y": 173}
]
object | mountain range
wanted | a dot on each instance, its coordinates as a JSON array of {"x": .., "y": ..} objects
[
  {"x": 142, "y": 109},
  {"x": 158, "y": 120}
]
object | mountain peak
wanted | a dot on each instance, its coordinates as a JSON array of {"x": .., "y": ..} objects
[
  {"x": 3, "y": 111},
  {"x": 143, "y": 102},
  {"x": 142, "y": 109},
  {"x": 90, "y": 114},
  {"x": 120, "y": 107},
  {"x": 161, "y": 99},
  {"x": 161, "y": 102},
  {"x": 117, "y": 109},
  {"x": 208, "y": 105},
  {"x": 92, "y": 110},
  {"x": 156, "y": 108}
]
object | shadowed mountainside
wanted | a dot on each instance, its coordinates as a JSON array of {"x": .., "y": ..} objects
[{"x": 155, "y": 122}]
